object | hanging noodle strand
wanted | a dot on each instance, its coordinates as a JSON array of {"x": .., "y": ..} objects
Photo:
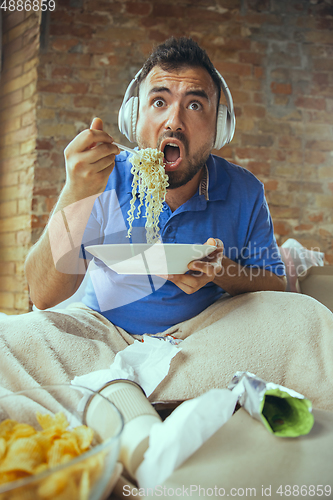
[{"x": 151, "y": 181}]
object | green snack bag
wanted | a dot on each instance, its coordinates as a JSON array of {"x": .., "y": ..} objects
[{"x": 284, "y": 412}]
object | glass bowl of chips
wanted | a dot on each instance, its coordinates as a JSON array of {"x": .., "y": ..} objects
[{"x": 51, "y": 448}]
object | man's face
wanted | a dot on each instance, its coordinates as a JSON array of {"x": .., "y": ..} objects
[{"x": 177, "y": 115}]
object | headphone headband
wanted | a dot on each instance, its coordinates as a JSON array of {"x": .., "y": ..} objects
[{"x": 225, "y": 124}]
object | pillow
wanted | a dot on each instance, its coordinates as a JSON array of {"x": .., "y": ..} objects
[{"x": 298, "y": 259}]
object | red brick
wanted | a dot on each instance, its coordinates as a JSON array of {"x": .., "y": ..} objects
[
  {"x": 260, "y": 154},
  {"x": 285, "y": 212},
  {"x": 249, "y": 84},
  {"x": 82, "y": 31},
  {"x": 319, "y": 145},
  {"x": 310, "y": 103},
  {"x": 254, "y": 111},
  {"x": 304, "y": 227},
  {"x": 191, "y": 12},
  {"x": 259, "y": 168},
  {"x": 66, "y": 16},
  {"x": 290, "y": 142},
  {"x": 324, "y": 233},
  {"x": 271, "y": 185},
  {"x": 57, "y": 159},
  {"x": 43, "y": 144},
  {"x": 241, "y": 97},
  {"x": 322, "y": 37},
  {"x": 257, "y": 140},
  {"x": 66, "y": 59},
  {"x": 95, "y": 46},
  {"x": 106, "y": 60},
  {"x": 45, "y": 191},
  {"x": 293, "y": 156},
  {"x": 260, "y": 47},
  {"x": 281, "y": 228},
  {"x": 51, "y": 174},
  {"x": 258, "y": 19},
  {"x": 323, "y": 64},
  {"x": 39, "y": 220},
  {"x": 102, "y": 6},
  {"x": 316, "y": 217},
  {"x": 234, "y": 68},
  {"x": 64, "y": 45},
  {"x": 138, "y": 9},
  {"x": 259, "y": 72},
  {"x": 91, "y": 18},
  {"x": 62, "y": 72},
  {"x": 278, "y": 155},
  {"x": 237, "y": 43},
  {"x": 75, "y": 116},
  {"x": 315, "y": 157},
  {"x": 281, "y": 88},
  {"x": 329, "y": 258},
  {"x": 251, "y": 58},
  {"x": 50, "y": 203},
  {"x": 320, "y": 78},
  {"x": 86, "y": 102},
  {"x": 259, "y": 98},
  {"x": 156, "y": 35},
  {"x": 63, "y": 88}
]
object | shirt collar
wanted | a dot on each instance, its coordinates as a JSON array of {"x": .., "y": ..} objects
[
  {"x": 218, "y": 179},
  {"x": 204, "y": 183}
]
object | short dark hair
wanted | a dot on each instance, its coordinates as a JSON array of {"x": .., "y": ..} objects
[{"x": 177, "y": 52}]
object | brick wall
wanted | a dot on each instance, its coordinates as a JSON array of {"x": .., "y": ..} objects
[
  {"x": 18, "y": 135},
  {"x": 276, "y": 56}
]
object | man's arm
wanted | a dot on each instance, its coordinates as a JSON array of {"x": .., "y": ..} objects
[
  {"x": 229, "y": 275},
  {"x": 89, "y": 161}
]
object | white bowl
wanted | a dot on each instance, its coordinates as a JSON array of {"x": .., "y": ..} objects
[{"x": 158, "y": 259}]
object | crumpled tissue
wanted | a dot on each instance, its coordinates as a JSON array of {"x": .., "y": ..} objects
[
  {"x": 171, "y": 442},
  {"x": 147, "y": 363}
]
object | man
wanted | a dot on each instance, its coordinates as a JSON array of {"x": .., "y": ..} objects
[
  {"x": 208, "y": 200},
  {"x": 178, "y": 103}
]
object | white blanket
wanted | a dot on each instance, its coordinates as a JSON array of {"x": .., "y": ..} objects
[{"x": 285, "y": 338}]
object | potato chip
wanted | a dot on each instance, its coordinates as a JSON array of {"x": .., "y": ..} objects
[
  {"x": 84, "y": 436},
  {"x": 53, "y": 485},
  {"x": 84, "y": 486},
  {"x": 6, "y": 428},
  {"x": 24, "y": 454},
  {"x": 22, "y": 430},
  {"x": 7, "y": 477},
  {"x": 25, "y": 451},
  {"x": 3, "y": 447},
  {"x": 58, "y": 420}
]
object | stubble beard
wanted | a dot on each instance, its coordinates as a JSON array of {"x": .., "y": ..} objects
[{"x": 181, "y": 176}]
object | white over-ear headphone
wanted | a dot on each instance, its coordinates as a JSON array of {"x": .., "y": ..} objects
[{"x": 225, "y": 123}]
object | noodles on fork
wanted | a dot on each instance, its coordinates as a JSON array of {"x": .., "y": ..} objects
[{"x": 151, "y": 181}]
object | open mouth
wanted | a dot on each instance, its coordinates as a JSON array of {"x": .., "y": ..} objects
[{"x": 172, "y": 154}]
